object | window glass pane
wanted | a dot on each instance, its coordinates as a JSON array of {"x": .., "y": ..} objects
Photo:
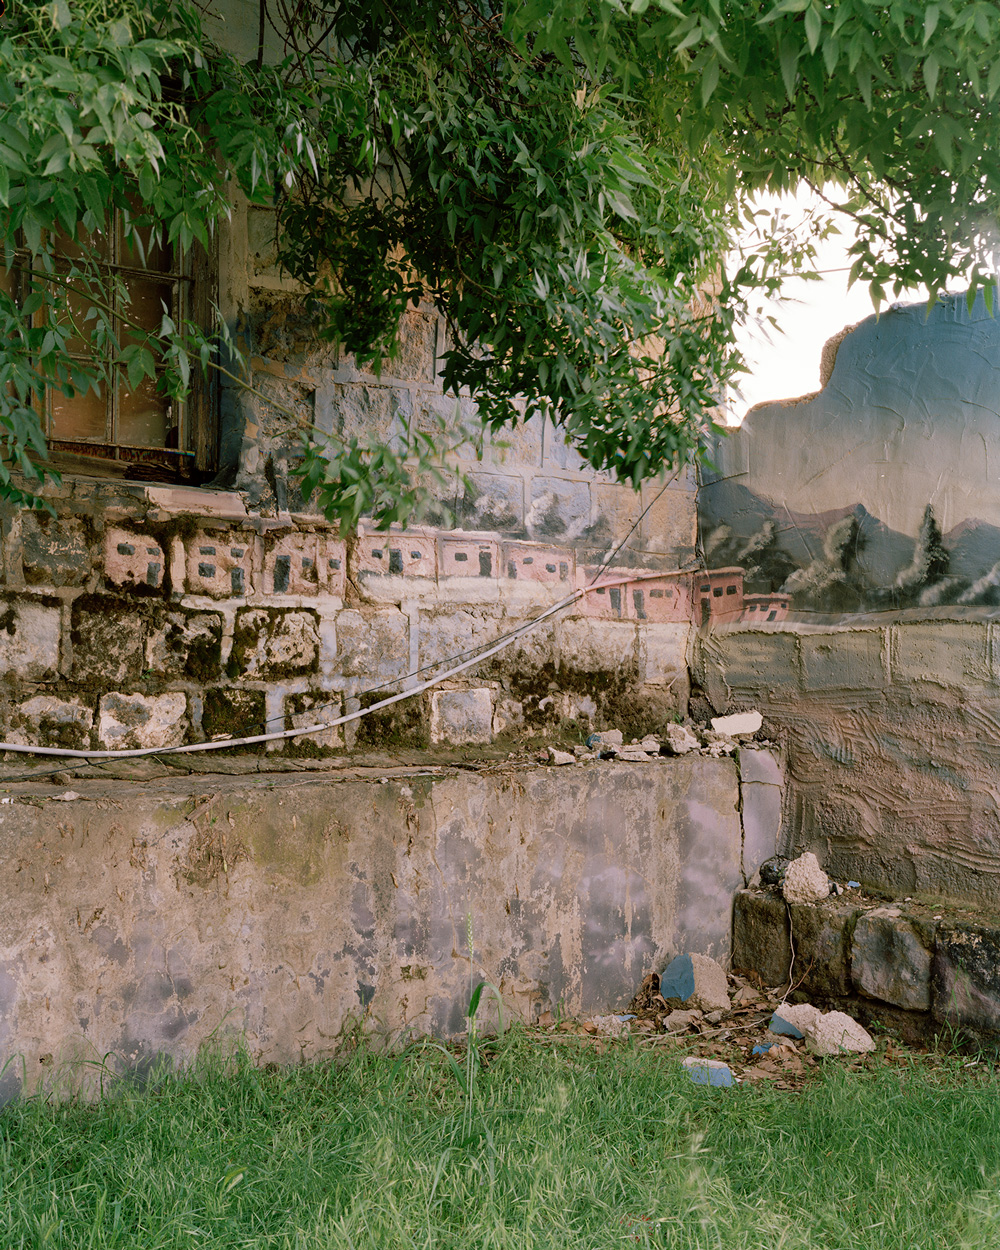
[
  {"x": 153, "y": 254},
  {"x": 144, "y": 416},
  {"x": 78, "y": 306},
  {"x": 82, "y": 417},
  {"x": 71, "y": 248},
  {"x": 145, "y": 305},
  {"x": 7, "y": 281}
]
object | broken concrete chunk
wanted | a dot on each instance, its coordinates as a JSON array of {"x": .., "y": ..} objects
[
  {"x": 650, "y": 745},
  {"x": 607, "y": 738},
  {"x": 794, "y": 1021},
  {"x": 679, "y": 740},
  {"x": 835, "y": 1032},
  {"x": 708, "y": 1071},
  {"x": 738, "y": 724},
  {"x": 697, "y": 980},
  {"x": 632, "y": 755},
  {"x": 560, "y": 757},
  {"x": 805, "y": 881}
]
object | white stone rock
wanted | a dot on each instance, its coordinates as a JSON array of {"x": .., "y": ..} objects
[
  {"x": 711, "y": 988},
  {"x": 632, "y": 755},
  {"x": 560, "y": 757},
  {"x": 834, "y": 1032},
  {"x": 650, "y": 745},
  {"x": 680, "y": 740},
  {"x": 737, "y": 724},
  {"x": 805, "y": 881},
  {"x": 803, "y": 1016},
  {"x": 607, "y": 738}
]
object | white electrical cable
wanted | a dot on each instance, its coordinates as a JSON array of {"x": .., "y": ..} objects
[{"x": 222, "y": 744}]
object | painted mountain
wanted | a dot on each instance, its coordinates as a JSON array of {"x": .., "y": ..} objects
[{"x": 882, "y": 491}]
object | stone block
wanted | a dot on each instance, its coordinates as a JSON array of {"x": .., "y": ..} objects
[
  {"x": 520, "y": 444},
  {"x": 380, "y": 412},
  {"x": 671, "y": 524},
  {"x": 492, "y": 501},
  {"x": 396, "y": 555},
  {"x": 305, "y": 564},
  {"x": 965, "y": 986},
  {"x": 460, "y": 716},
  {"x": 374, "y": 645},
  {"x": 615, "y": 509},
  {"x": 753, "y": 664},
  {"x": 50, "y": 721},
  {"x": 133, "y": 560},
  {"x": 108, "y": 637},
  {"x": 821, "y": 937},
  {"x": 449, "y": 633},
  {"x": 527, "y": 563},
  {"x": 844, "y": 660},
  {"x": 761, "y": 765},
  {"x": 760, "y": 936},
  {"x": 947, "y": 653},
  {"x": 416, "y": 359},
  {"x": 185, "y": 644},
  {"x": 558, "y": 451},
  {"x": 133, "y": 721},
  {"x": 890, "y": 962},
  {"x": 220, "y": 564},
  {"x": 29, "y": 637},
  {"x": 598, "y": 646},
  {"x": 469, "y": 557},
  {"x": 761, "y": 822},
  {"x": 314, "y": 708},
  {"x": 663, "y": 650},
  {"x": 696, "y": 980},
  {"x": 559, "y": 510},
  {"x": 229, "y": 713},
  {"x": 274, "y": 642},
  {"x": 54, "y": 550}
]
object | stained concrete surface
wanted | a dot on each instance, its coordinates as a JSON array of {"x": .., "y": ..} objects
[{"x": 149, "y": 919}]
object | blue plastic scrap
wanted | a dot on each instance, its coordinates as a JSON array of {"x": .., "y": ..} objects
[
  {"x": 677, "y": 978},
  {"x": 763, "y": 1048},
  {"x": 780, "y": 1025},
  {"x": 854, "y": 885},
  {"x": 709, "y": 1072}
]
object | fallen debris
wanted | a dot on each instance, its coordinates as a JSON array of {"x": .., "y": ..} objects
[
  {"x": 679, "y": 740},
  {"x": 561, "y": 757},
  {"x": 696, "y": 980},
  {"x": 805, "y": 881},
  {"x": 836, "y": 1031},
  {"x": 772, "y": 871},
  {"x": 740, "y": 724}
]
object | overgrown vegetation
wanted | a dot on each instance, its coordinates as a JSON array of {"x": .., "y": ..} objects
[
  {"x": 564, "y": 1144},
  {"x": 566, "y": 185}
]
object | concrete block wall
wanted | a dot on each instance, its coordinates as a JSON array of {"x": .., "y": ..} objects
[
  {"x": 892, "y": 745},
  {"x": 281, "y": 909}
]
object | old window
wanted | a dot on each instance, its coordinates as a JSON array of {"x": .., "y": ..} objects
[{"x": 140, "y": 431}]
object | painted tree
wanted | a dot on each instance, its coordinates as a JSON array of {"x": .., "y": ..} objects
[{"x": 567, "y": 183}]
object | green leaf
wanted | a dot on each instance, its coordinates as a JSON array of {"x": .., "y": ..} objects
[
  {"x": 931, "y": 15},
  {"x": 709, "y": 80},
  {"x": 814, "y": 27},
  {"x": 931, "y": 66}
]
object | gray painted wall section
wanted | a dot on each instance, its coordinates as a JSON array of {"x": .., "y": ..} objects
[{"x": 146, "y": 920}]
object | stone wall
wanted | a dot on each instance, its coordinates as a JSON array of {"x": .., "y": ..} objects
[
  {"x": 921, "y": 970},
  {"x": 892, "y": 745},
  {"x": 143, "y": 615},
  {"x": 150, "y": 918}
]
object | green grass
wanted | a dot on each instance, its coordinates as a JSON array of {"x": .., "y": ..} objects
[{"x": 562, "y": 1147}]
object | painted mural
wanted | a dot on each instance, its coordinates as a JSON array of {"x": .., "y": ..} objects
[{"x": 881, "y": 492}]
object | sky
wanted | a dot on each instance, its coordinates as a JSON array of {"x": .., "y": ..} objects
[{"x": 785, "y": 361}]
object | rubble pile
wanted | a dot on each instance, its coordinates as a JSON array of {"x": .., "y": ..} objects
[
  {"x": 734, "y": 1028},
  {"x": 722, "y": 737}
]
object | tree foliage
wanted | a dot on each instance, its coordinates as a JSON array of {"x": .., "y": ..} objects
[{"x": 569, "y": 183}]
